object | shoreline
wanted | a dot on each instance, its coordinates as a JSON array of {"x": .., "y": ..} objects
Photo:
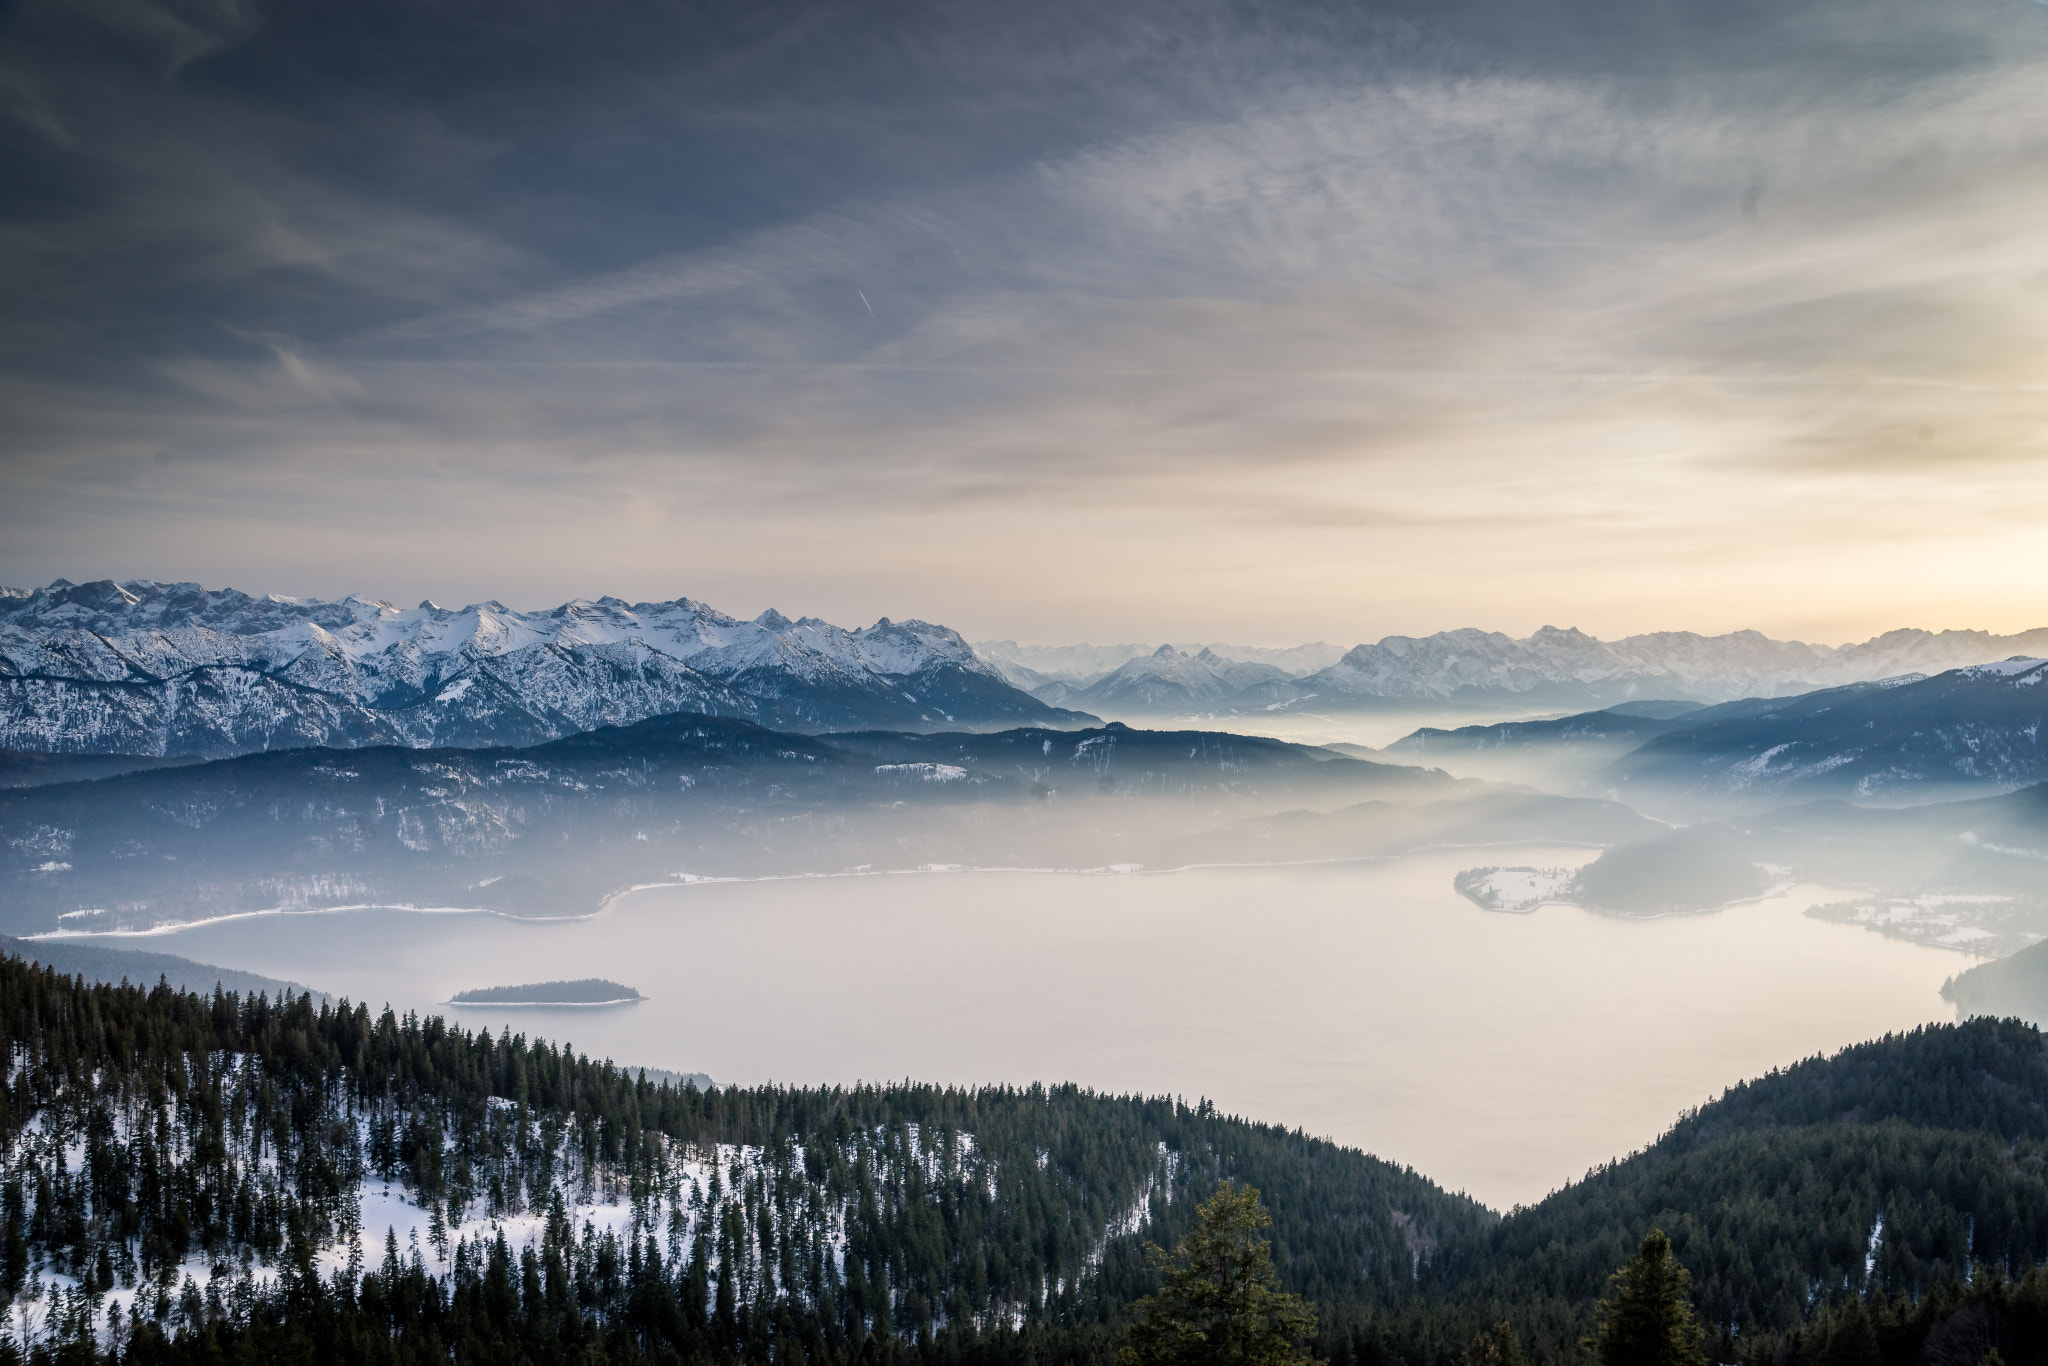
[{"x": 698, "y": 880}]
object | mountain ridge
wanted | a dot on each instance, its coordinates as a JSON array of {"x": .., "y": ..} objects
[
  {"x": 1560, "y": 667},
  {"x": 160, "y": 669},
  {"x": 1906, "y": 739}
]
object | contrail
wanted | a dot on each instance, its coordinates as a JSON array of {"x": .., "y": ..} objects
[{"x": 871, "y": 308}]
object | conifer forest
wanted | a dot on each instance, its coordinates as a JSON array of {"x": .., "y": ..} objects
[{"x": 195, "y": 1178}]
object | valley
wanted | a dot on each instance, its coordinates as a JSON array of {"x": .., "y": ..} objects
[
  {"x": 1386, "y": 933},
  {"x": 1366, "y": 1000},
  {"x": 961, "y": 683}
]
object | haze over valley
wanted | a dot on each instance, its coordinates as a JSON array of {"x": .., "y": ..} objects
[
  {"x": 185, "y": 756},
  {"x": 701, "y": 841},
  {"x": 427, "y": 807},
  {"x": 973, "y": 684}
]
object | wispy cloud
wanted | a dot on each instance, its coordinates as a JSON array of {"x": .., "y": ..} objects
[{"x": 1395, "y": 320}]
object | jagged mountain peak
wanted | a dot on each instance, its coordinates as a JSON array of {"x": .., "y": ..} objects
[{"x": 234, "y": 672}]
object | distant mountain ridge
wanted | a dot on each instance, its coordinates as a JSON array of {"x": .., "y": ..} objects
[
  {"x": 1169, "y": 679},
  {"x": 1906, "y": 739},
  {"x": 158, "y": 669},
  {"x": 1911, "y": 739},
  {"x": 1558, "y": 667},
  {"x": 1081, "y": 665}
]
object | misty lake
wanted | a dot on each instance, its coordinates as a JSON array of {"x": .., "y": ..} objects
[{"x": 1500, "y": 1054}]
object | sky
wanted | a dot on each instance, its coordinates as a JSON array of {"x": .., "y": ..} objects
[{"x": 1053, "y": 321}]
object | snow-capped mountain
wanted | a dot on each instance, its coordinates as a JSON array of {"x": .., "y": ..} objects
[
  {"x": 1562, "y": 668},
  {"x": 1034, "y": 666},
  {"x": 1168, "y": 680},
  {"x": 1566, "y": 666},
  {"x": 151, "y": 668}
]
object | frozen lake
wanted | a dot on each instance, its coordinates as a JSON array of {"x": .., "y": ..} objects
[{"x": 1501, "y": 1054}]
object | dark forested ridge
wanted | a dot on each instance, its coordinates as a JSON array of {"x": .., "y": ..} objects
[
  {"x": 554, "y": 829},
  {"x": 190, "y": 1177}
]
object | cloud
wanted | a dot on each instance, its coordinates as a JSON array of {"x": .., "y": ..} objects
[
  {"x": 1620, "y": 325},
  {"x": 175, "y": 32}
]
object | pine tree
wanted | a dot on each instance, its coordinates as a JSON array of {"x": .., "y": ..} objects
[
  {"x": 1648, "y": 1320},
  {"x": 1221, "y": 1303}
]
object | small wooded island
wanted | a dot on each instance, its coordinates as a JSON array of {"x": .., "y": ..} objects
[{"x": 587, "y": 991}]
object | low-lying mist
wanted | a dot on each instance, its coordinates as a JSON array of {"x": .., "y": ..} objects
[{"x": 555, "y": 829}]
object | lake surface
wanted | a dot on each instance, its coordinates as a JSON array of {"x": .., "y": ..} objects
[{"x": 1367, "y": 1002}]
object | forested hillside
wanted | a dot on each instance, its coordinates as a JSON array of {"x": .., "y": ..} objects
[
  {"x": 1893, "y": 1173},
  {"x": 174, "y": 1161},
  {"x": 187, "y": 1177}
]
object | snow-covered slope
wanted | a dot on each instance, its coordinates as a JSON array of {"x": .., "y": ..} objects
[{"x": 150, "y": 668}]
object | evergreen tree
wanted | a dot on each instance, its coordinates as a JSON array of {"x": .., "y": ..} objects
[
  {"x": 1221, "y": 1302},
  {"x": 1853, "y": 1339},
  {"x": 1497, "y": 1346},
  {"x": 1648, "y": 1320}
]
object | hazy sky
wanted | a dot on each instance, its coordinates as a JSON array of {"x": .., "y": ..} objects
[{"x": 1051, "y": 320}]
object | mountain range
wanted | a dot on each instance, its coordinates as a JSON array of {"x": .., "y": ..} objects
[
  {"x": 1166, "y": 681},
  {"x": 1906, "y": 739},
  {"x": 1081, "y": 665},
  {"x": 1554, "y": 667},
  {"x": 169, "y": 669},
  {"x": 154, "y": 669}
]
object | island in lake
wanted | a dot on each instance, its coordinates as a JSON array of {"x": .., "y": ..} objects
[{"x": 587, "y": 991}]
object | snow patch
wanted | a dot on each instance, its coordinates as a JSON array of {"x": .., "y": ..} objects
[{"x": 930, "y": 773}]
